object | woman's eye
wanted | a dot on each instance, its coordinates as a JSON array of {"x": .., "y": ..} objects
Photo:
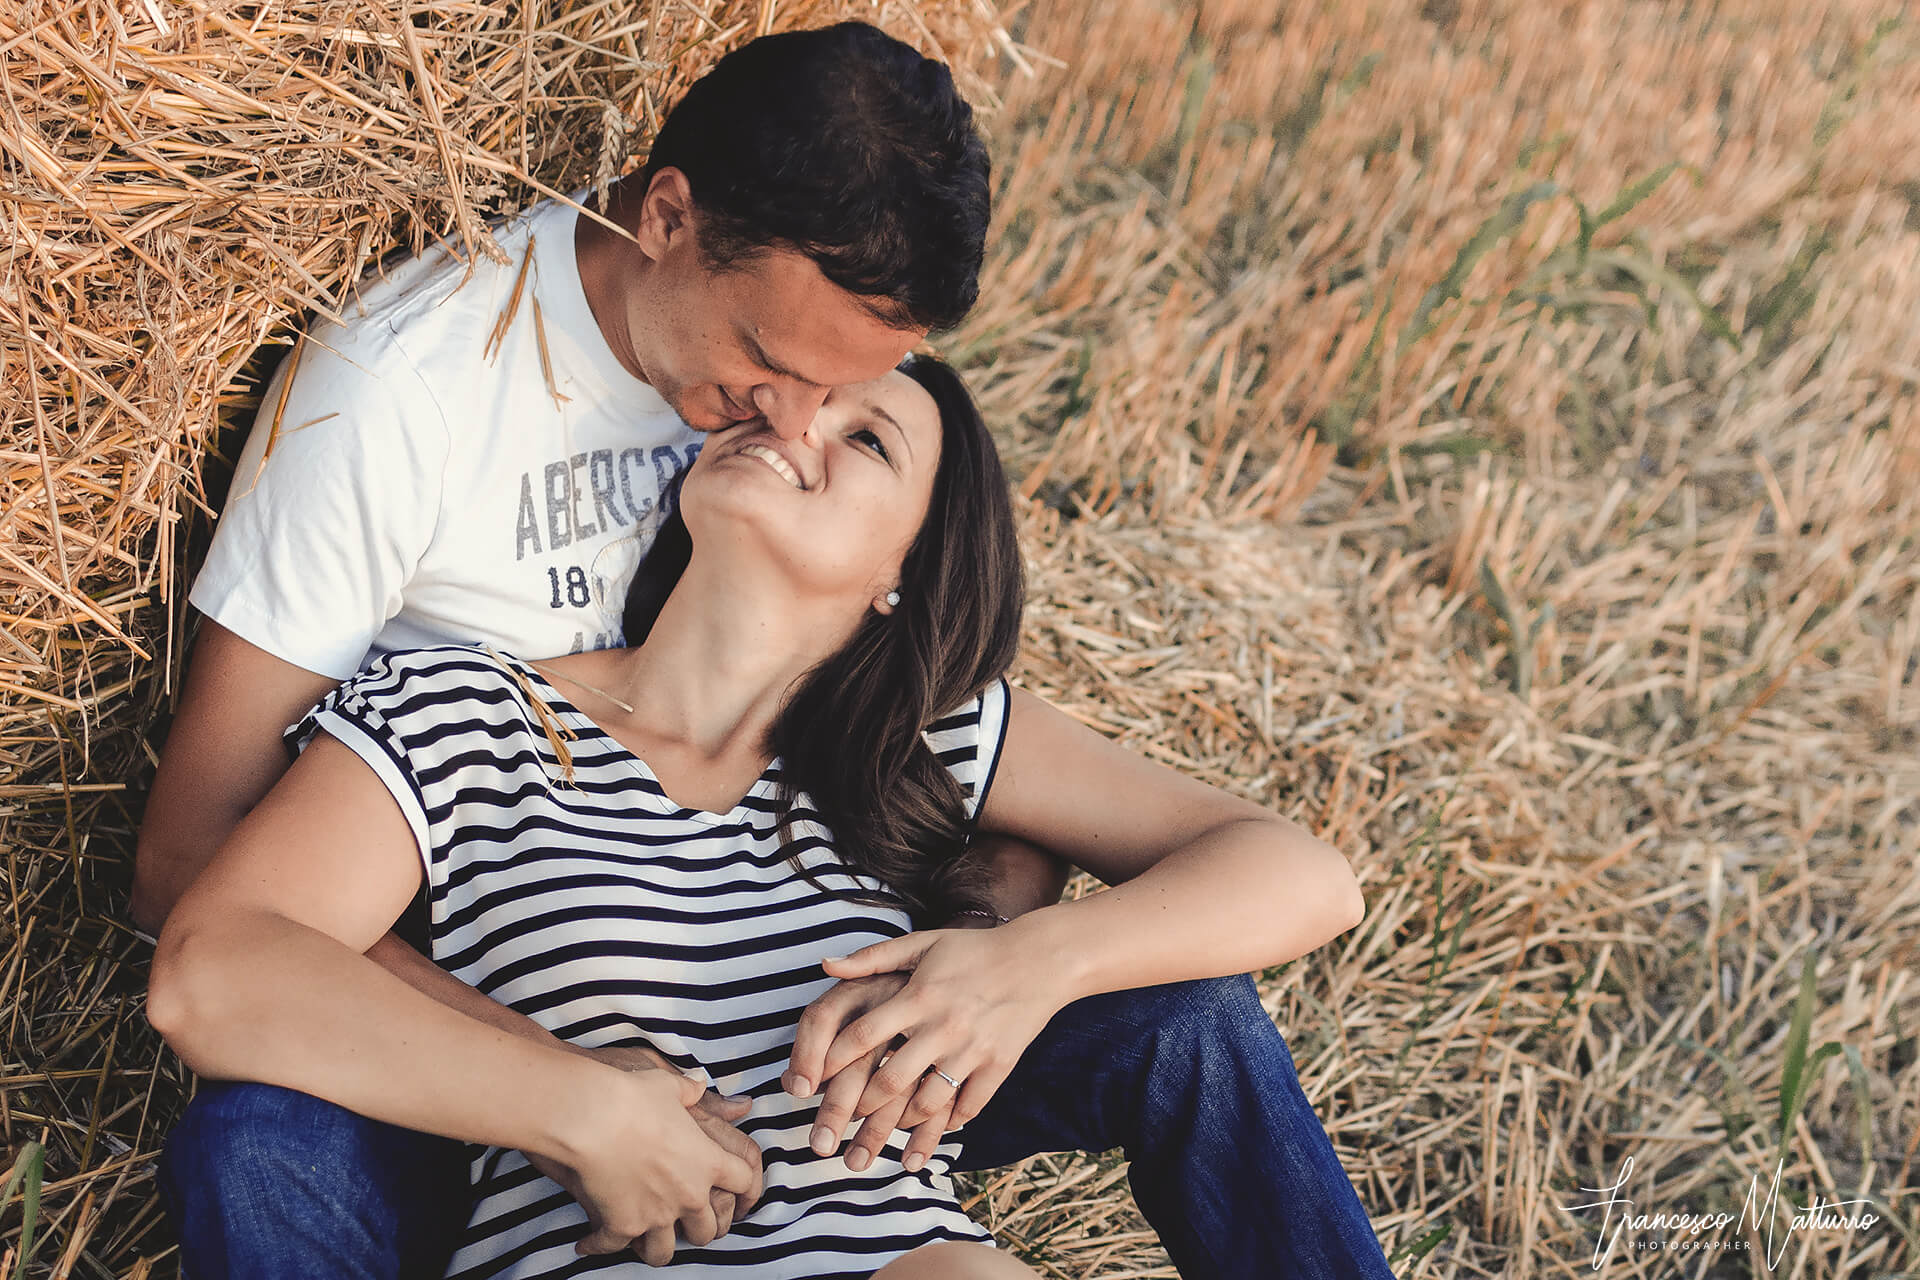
[{"x": 872, "y": 441}]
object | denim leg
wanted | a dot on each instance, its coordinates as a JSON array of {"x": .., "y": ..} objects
[
  {"x": 1192, "y": 1080},
  {"x": 264, "y": 1183}
]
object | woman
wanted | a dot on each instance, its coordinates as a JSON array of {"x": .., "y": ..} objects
[{"x": 664, "y": 845}]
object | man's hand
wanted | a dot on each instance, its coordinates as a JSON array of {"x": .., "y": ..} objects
[
  {"x": 642, "y": 1172},
  {"x": 717, "y": 1116}
]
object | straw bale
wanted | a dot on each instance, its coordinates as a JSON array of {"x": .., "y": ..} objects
[{"x": 180, "y": 180}]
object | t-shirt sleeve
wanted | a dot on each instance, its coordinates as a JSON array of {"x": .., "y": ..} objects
[
  {"x": 358, "y": 714},
  {"x": 968, "y": 742},
  {"x": 330, "y": 513}
]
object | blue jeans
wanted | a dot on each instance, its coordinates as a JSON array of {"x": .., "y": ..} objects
[{"x": 1190, "y": 1079}]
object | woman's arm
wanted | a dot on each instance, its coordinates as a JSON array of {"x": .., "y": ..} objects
[
  {"x": 260, "y": 974},
  {"x": 222, "y": 756},
  {"x": 1204, "y": 885}
]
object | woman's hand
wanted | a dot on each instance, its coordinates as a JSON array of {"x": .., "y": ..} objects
[
  {"x": 646, "y": 1166},
  {"x": 970, "y": 1005},
  {"x": 823, "y": 1021}
]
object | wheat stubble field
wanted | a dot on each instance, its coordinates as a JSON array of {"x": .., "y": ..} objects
[
  {"x": 1488, "y": 433},
  {"x": 1485, "y": 432}
]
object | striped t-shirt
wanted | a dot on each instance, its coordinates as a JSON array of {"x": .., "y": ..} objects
[{"x": 612, "y": 916}]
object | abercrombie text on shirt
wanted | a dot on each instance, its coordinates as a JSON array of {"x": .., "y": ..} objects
[{"x": 464, "y": 461}]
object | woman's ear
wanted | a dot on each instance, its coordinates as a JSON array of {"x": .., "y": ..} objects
[{"x": 886, "y": 604}]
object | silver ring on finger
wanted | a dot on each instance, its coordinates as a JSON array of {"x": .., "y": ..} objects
[{"x": 944, "y": 1076}]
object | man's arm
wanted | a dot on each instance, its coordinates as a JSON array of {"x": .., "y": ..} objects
[
  {"x": 1025, "y": 878},
  {"x": 222, "y": 757}
]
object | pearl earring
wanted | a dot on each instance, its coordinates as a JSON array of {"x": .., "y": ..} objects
[{"x": 893, "y": 599}]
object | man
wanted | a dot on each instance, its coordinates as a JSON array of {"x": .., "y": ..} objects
[{"x": 481, "y": 455}]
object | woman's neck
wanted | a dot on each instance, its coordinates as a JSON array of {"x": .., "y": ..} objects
[{"x": 720, "y": 659}]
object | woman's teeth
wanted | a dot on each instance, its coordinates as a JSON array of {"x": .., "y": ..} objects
[{"x": 775, "y": 461}]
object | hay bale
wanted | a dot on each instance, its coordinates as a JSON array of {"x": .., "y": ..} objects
[{"x": 179, "y": 182}]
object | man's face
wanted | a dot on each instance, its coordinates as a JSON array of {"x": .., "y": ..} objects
[{"x": 764, "y": 338}]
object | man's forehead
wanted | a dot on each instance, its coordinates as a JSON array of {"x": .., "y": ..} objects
[{"x": 800, "y": 323}]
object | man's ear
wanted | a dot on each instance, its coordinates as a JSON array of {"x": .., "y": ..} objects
[{"x": 666, "y": 213}]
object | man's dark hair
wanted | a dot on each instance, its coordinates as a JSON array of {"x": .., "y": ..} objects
[
  {"x": 849, "y": 146},
  {"x": 850, "y": 736}
]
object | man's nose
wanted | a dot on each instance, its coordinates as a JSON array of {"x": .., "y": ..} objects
[{"x": 788, "y": 410}]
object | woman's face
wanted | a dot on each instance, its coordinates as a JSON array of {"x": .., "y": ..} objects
[{"x": 835, "y": 509}]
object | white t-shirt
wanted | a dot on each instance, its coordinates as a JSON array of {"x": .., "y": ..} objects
[{"x": 424, "y": 489}]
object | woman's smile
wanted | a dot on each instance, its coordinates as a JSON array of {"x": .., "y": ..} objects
[{"x": 773, "y": 458}]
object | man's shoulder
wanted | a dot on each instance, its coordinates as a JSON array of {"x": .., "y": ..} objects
[{"x": 438, "y": 303}]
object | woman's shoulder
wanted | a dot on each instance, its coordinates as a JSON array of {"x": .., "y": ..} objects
[
  {"x": 449, "y": 668},
  {"x": 966, "y": 721},
  {"x": 967, "y": 740},
  {"x": 437, "y": 706},
  {"x": 439, "y": 688}
]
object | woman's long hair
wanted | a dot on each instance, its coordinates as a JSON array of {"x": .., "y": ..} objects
[{"x": 850, "y": 734}]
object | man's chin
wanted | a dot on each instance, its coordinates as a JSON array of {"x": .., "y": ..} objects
[{"x": 698, "y": 418}]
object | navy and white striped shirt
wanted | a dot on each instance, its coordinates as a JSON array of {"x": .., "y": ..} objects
[{"x": 611, "y": 915}]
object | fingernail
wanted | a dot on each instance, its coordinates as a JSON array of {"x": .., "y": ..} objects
[
  {"x": 800, "y": 1086},
  {"x": 823, "y": 1141},
  {"x": 914, "y": 1160},
  {"x": 859, "y": 1160}
]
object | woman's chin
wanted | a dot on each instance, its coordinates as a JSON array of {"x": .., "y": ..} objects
[{"x": 739, "y": 501}]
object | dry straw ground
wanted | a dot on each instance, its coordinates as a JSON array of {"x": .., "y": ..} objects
[{"x": 1486, "y": 431}]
